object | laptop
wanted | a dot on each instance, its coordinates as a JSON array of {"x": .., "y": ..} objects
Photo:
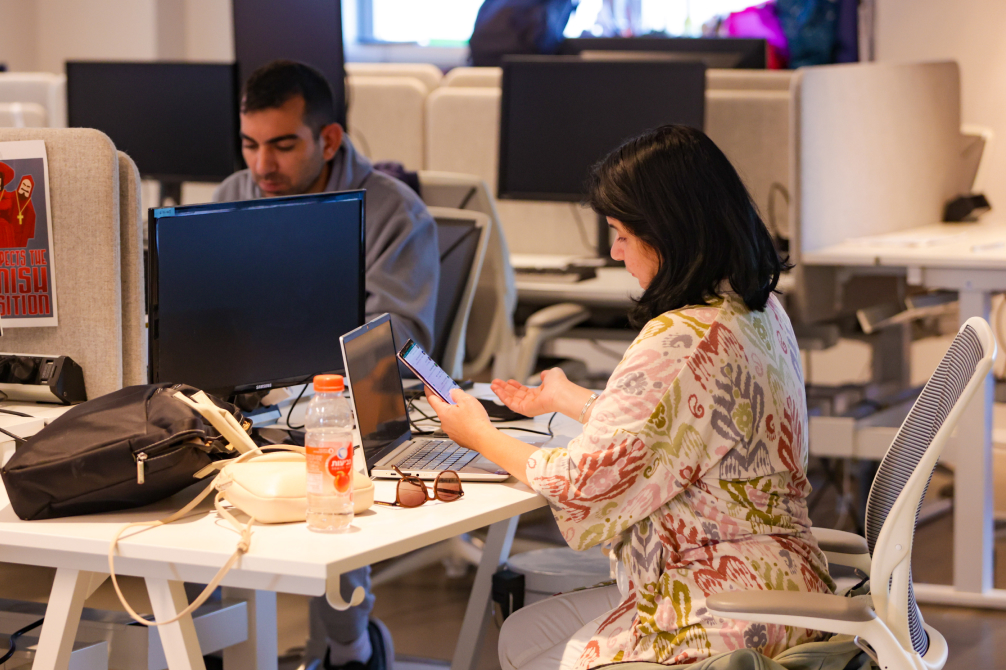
[{"x": 382, "y": 418}]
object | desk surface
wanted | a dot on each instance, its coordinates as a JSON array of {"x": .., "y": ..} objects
[
  {"x": 283, "y": 557},
  {"x": 980, "y": 245},
  {"x": 612, "y": 287}
]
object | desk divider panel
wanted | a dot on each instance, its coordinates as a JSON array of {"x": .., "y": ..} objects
[
  {"x": 84, "y": 194},
  {"x": 877, "y": 148},
  {"x": 131, "y": 223}
]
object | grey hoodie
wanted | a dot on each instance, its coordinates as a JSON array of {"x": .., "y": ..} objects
[{"x": 402, "y": 257}]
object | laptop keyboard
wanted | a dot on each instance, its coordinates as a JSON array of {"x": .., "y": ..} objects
[{"x": 438, "y": 455}]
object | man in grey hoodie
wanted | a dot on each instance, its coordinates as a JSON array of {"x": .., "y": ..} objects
[{"x": 293, "y": 145}]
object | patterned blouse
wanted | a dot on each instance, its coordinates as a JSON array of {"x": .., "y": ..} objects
[{"x": 692, "y": 470}]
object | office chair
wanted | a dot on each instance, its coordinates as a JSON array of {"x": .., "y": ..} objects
[
  {"x": 22, "y": 115},
  {"x": 463, "y": 237},
  {"x": 43, "y": 88},
  {"x": 888, "y": 624},
  {"x": 491, "y": 336}
]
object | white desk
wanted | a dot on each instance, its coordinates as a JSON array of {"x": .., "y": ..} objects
[
  {"x": 286, "y": 558},
  {"x": 612, "y": 287},
  {"x": 970, "y": 259}
]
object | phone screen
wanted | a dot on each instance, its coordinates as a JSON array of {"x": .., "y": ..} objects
[{"x": 429, "y": 372}]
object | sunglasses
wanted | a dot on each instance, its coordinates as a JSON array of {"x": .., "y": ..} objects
[{"x": 412, "y": 491}]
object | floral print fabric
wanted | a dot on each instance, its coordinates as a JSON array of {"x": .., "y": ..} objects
[{"x": 692, "y": 470}]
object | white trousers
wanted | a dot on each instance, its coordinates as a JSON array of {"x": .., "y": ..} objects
[{"x": 551, "y": 634}]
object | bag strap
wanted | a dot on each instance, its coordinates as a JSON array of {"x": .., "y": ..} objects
[{"x": 243, "y": 529}]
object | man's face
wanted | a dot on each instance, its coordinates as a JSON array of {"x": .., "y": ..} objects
[{"x": 283, "y": 155}]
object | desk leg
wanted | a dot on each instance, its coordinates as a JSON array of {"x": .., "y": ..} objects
[
  {"x": 495, "y": 552},
  {"x": 62, "y": 616},
  {"x": 181, "y": 646},
  {"x": 259, "y": 651},
  {"x": 973, "y": 522}
]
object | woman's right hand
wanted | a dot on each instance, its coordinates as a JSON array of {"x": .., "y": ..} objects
[{"x": 532, "y": 401}]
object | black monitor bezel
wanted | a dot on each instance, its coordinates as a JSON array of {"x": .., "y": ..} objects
[
  {"x": 753, "y": 51},
  {"x": 502, "y": 190},
  {"x": 236, "y": 158},
  {"x": 154, "y": 214}
]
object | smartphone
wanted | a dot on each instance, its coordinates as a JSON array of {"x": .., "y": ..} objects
[{"x": 429, "y": 372}]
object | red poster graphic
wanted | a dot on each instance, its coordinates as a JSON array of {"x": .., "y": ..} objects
[
  {"x": 17, "y": 213},
  {"x": 27, "y": 293}
]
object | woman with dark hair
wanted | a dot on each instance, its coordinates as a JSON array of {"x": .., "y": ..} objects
[{"x": 691, "y": 468}]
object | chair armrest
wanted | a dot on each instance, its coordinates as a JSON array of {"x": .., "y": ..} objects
[
  {"x": 563, "y": 316},
  {"x": 763, "y": 605},
  {"x": 842, "y": 548},
  {"x": 839, "y": 541}
]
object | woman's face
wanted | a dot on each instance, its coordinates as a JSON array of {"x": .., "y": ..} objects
[{"x": 641, "y": 260}]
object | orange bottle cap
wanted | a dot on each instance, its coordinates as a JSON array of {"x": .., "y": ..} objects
[{"x": 328, "y": 384}]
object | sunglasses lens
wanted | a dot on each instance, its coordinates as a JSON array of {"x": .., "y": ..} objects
[
  {"x": 411, "y": 493},
  {"x": 448, "y": 487}
]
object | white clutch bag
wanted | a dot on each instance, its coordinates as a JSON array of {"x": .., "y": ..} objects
[{"x": 272, "y": 488}]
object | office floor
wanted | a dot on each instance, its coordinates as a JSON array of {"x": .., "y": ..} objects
[{"x": 424, "y": 610}]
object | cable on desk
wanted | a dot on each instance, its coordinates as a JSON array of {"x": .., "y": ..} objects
[
  {"x": 18, "y": 441},
  {"x": 10, "y": 411},
  {"x": 426, "y": 417},
  {"x": 416, "y": 430},
  {"x": 548, "y": 428},
  {"x": 13, "y": 640},
  {"x": 294, "y": 405}
]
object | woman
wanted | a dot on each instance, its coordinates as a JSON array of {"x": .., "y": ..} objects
[{"x": 692, "y": 463}]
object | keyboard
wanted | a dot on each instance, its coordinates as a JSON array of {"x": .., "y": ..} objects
[{"x": 437, "y": 455}]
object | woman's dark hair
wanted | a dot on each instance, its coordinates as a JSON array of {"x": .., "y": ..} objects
[
  {"x": 675, "y": 190},
  {"x": 273, "y": 84}
]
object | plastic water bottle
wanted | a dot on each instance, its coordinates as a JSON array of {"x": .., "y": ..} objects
[{"x": 329, "y": 443}]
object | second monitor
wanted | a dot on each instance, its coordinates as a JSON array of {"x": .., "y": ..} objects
[{"x": 560, "y": 115}]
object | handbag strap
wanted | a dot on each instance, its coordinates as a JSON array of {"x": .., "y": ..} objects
[{"x": 244, "y": 543}]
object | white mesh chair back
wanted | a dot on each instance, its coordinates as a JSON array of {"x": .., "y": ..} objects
[
  {"x": 904, "y": 474},
  {"x": 490, "y": 329}
]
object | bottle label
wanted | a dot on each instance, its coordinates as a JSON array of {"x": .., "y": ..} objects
[{"x": 330, "y": 468}]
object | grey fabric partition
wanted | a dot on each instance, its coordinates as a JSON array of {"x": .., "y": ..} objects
[
  {"x": 84, "y": 192},
  {"x": 131, "y": 222}
]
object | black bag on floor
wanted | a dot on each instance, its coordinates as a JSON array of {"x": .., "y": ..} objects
[{"x": 126, "y": 449}]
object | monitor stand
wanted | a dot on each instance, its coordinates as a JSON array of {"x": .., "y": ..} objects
[
  {"x": 604, "y": 244},
  {"x": 171, "y": 190}
]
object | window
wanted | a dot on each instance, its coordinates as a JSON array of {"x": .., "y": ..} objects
[
  {"x": 428, "y": 23},
  {"x": 450, "y": 22}
]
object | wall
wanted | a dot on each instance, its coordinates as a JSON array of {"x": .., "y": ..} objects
[
  {"x": 95, "y": 29},
  {"x": 209, "y": 31},
  {"x": 43, "y": 34},
  {"x": 18, "y": 27},
  {"x": 970, "y": 32}
]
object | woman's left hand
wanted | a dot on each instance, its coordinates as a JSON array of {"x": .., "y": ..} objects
[{"x": 467, "y": 422}]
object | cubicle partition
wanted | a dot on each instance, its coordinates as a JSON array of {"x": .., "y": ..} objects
[
  {"x": 875, "y": 148},
  {"x": 97, "y": 259}
]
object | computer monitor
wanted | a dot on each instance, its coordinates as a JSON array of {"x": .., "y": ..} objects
[
  {"x": 309, "y": 31},
  {"x": 177, "y": 121},
  {"x": 560, "y": 115},
  {"x": 255, "y": 294},
  {"x": 715, "y": 52}
]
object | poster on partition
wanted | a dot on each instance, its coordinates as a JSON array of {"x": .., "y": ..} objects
[{"x": 27, "y": 288}]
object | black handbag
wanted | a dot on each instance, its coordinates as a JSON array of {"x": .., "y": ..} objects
[{"x": 126, "y": 449}]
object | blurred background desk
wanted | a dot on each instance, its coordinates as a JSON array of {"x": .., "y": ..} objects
[{"x": 969, "y": 258}]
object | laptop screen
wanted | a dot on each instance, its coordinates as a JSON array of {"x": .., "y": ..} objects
[{"x": 376, "y": 386}]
